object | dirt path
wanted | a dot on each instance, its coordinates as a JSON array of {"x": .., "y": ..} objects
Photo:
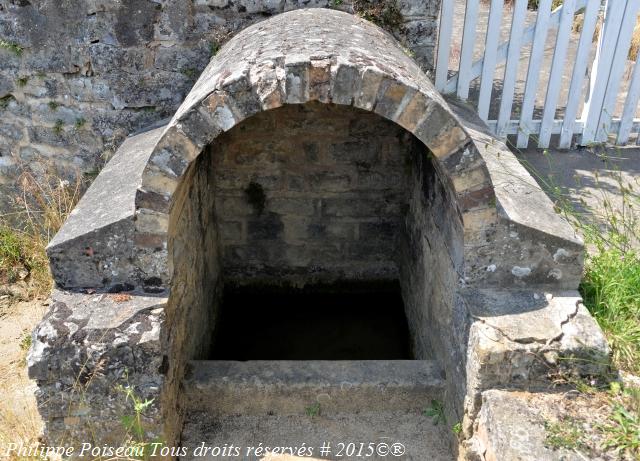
[{"x": 19, "y": 418}]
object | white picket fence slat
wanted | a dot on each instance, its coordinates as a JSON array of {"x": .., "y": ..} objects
[
  {"x": 597, "y": 121},
  {"x": 527, "y": 37},
  {"x": 590, "y": 19},
  {"x": 557, "y": 69},
  {"x": 490, "y": 58},
  {"x": 617, "y": 68},
  {"x": 466, "y": 54},
  {"x": 511, "y": 69},
  {"x": 630, "y": 106},
  {"x": 444, "y": 44},
  {"x": 533, "y": 73}
]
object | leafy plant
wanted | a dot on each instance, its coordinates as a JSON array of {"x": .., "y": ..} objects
[
  {"x": 622, "y": 432},
  {"x": 436, "y": 412},
  {"x": 133, "y": 422},
  {"x": 53, "y": 105}
]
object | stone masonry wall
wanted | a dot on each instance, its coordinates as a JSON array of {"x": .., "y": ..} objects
[
  {"x": 311, "y": 192},
  {"x": 77, "y": 76},
  {"x": 196, "y": 285}
]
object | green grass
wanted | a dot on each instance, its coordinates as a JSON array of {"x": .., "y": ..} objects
[
  {"x": 313, "y": 410},
  {"x": 11, "y": 254},
  {"x": 564, "y": 434},
  {"x": 611, "y": 292},
  {"x": 41, "y": 206},
  {"x": 622, "y": 431}
]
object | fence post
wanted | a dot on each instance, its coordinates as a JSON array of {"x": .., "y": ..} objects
[{"x": 614, "y": 13}]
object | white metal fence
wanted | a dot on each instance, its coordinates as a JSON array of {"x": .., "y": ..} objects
[{"x": 544, "y": 82}]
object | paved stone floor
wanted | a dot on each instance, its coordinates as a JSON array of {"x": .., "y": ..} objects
[{"x": 587, "y": 177}]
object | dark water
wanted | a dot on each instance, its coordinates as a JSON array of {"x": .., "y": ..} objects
[{"x": 296, "y": 325}]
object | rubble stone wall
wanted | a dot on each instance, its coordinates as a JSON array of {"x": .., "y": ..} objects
[{"x": 78, "y": 76}]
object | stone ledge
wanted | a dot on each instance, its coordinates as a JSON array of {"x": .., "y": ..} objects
[
  {"x": 95, "y": 245},
  {"x": 87, "y": 345},
  {"x": 517, "y": 339},
  {"x": 288, "y": 387},
  {"x": 539, "y": 248}
]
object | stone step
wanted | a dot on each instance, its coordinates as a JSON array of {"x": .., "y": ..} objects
[
  {"x": 293, "y": 387},
  {"x": 374, "y": 436}
]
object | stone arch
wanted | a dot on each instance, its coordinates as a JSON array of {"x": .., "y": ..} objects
[
  {"x": 515, "y": 248},
  {"x": 348, "y": 62}
]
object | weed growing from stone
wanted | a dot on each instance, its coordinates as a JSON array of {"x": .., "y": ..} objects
[
  {"x": 25, "y": 342},
  {"x": 11, "y": 46},
  {"x": 385, "y": 14},
  {"x": 214, "y": 47},
  {"x": 58, "y": 127},
  {"x": 133, "y": 422},
  {"x": 4, "y": 101},
  {"x": 436, "y": 412},
  {"x": 53, "y": 105},
  {"x": 189, "y": 72},
  {"x": 22, "y": 81},
  {"x": 80, "y": 122},
  {"x": 312, "y": 410}
]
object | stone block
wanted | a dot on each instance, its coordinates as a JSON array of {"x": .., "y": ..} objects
[
  {"x": 151, "y": 222},
  {"x": 355, "y": 152}
]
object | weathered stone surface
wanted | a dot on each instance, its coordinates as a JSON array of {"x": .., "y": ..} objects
[
  {"x": 260, "y": 387},
  {"x": 533, "y": 245},
  {"x": 419, "y": 435},
  {"x": 95, "y": 246},
  {"x": 510, "y": 427},
  {"x": 84, "y": 347}
]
